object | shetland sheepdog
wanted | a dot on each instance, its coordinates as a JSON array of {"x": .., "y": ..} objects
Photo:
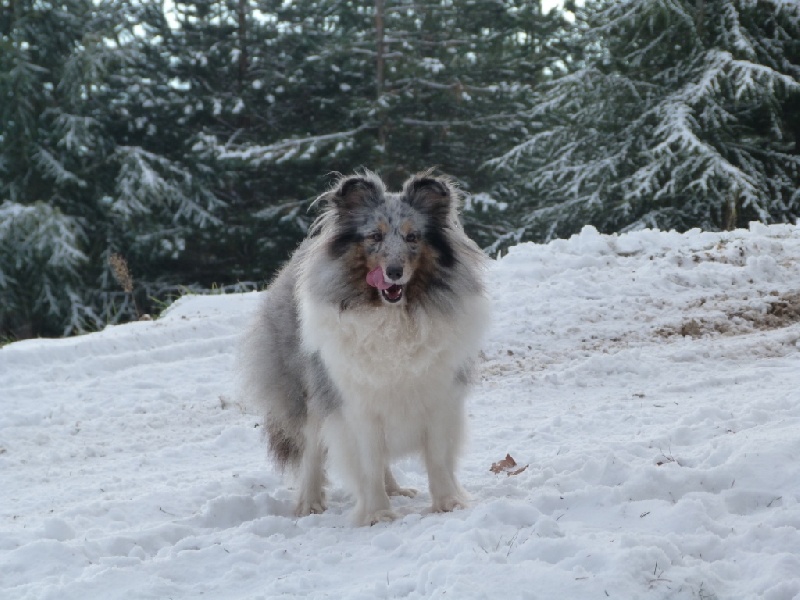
[{"x": 364, "y": 347}]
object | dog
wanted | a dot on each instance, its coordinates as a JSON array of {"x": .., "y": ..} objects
[{"x": 365, "y": 345}]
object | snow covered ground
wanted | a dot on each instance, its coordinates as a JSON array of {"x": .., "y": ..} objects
[{"x": 651, "y": 381}]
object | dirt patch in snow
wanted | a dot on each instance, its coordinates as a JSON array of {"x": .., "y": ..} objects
[{"x": 782, "y": 310}]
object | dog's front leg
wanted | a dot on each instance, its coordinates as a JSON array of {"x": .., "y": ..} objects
[
  {"x": 360, "y": 450},
  {"x": 442, "y": 444},
  {"x": 372, "y": 501}
]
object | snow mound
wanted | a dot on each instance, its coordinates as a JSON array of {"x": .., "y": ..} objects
[{"x": 649, "y": 381}]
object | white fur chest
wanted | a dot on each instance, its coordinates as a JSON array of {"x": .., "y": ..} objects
[
  {"x": 397, "y": 371},
  {"x": 384, "y": 348}
]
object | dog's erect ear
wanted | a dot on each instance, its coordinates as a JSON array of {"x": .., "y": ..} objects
[
  {"x": 354, "y": 192},
  {"x": 429, "y": 195}
]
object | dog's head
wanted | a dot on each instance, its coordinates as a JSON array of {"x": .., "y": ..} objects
[{"x": 394, "y": 243}]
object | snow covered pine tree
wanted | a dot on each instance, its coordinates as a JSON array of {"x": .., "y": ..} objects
[{"x": 679, "y": 120}]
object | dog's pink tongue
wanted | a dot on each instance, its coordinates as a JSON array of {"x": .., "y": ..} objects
[{"x": 376, "y": 280}]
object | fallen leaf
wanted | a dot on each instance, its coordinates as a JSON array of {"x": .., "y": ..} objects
[
  {"x": 506, "y": 465},
  {"x": 517, "y": 471}
]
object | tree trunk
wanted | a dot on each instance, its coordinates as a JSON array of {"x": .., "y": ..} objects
[
  {"x": 242, "y": 11},
  {"x": 380, "y": 67},
  {"x": 731, "y": 210},
  {"x": 700, "y": 17}
]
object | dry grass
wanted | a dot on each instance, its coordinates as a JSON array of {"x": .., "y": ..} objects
[{"x": 122, "y": 274}]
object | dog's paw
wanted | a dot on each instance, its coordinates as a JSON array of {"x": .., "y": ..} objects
[
  {"x": 398, "y": 491},
  {"x": 448, "y": 504},
  {"x": 378, "y": 516},
  {"x": 306, "y": 506}
]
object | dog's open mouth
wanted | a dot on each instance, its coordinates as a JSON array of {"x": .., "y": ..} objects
[{"x": 393, "y": 293}]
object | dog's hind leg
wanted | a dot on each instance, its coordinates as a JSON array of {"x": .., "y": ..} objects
[
  {"x": 311, "y": 473},
  {"x": 393, "y": 489}
]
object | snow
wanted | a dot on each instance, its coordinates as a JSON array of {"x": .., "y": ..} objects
[{"x": 650, "y": 381}]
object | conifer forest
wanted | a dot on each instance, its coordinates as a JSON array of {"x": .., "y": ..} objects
[{"x": 150, "y": 148}]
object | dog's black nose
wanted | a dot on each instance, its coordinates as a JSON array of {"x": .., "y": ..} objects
[{"x": 394, "y": 272}]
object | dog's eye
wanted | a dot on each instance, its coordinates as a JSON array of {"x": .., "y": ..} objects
[
  {"x": 376, "y": 237},
  {"x": 412, "y": 238}
]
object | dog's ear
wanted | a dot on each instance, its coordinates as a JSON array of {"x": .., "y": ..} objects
[
  {"x": 354, "y": 192},
  {"x": 433, "y": 196}
]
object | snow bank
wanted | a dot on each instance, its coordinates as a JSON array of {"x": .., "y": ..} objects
[{"x": 649, "y": 380}]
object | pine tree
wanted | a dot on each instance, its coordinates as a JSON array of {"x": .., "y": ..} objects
[
  {"x": 42, "y": 243},
  {"x": 679, "y": 120},
  {"x": 84, "y": 169},
  {"x": 396, "y": 87},
  {"x": 457, "y": 75},
  {"x": 191, "y": 144},
  {"x": 262, "y": 113}
]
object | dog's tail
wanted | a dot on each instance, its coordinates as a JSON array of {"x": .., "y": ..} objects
[
  {"x": 285, "y": 445},
  {"x": 271, "y": 377}
]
